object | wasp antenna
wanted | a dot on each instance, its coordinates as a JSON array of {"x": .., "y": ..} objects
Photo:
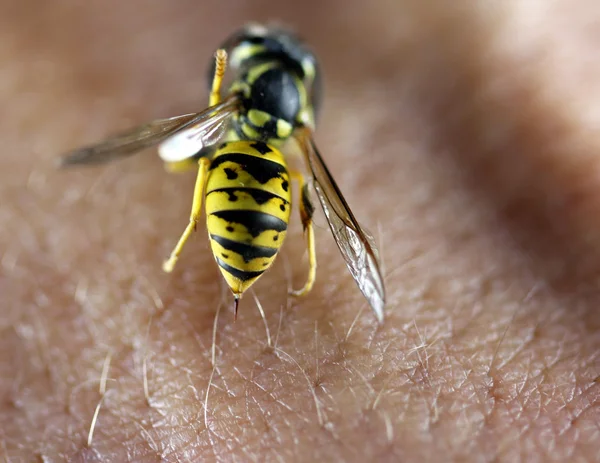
[
  {"x": 220, "y": 67},
  {"x": 221, "y": 59},
  {"x": 236, "y": 303}
]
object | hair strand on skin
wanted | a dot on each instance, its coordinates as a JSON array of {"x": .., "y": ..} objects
[
  {"x": 264, "y": 318},
  {"x": 102, "y": 392},
  {"x": 310, "y": 385},
  {"x": 93, "y": 423},
  {"x": 145, "y": 363}
]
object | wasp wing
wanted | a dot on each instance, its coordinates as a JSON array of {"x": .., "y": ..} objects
[
  {"x": 355, "y": 243},
  {"x": 152, "y": 133},
  {"x": 187, "y": 142}
]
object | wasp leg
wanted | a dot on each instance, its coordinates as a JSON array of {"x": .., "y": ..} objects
[
  {"x": 176, "y": 167},
  {"x": 203, "y": 165},
  {"x": 220, "y": 67},
  {"x": 306, "y": 213}
]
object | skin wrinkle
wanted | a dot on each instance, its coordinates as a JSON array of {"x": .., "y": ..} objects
[{"x": 497, "y": 216}]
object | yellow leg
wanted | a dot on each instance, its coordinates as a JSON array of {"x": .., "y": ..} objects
[
  {"x": 220, "y": 67},
  {"x": 203, "y": 165},
  {"x": 306, "y": 213},
  {"x": 176, "y": 167}
]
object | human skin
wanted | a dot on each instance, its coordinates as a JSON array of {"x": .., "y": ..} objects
[{"x": 463, "y": 134}]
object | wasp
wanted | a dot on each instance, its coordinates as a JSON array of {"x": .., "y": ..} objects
[{"x": 243, "y": 177}]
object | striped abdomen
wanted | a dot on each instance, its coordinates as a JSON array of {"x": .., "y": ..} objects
[{"x": 248, "y": 198}]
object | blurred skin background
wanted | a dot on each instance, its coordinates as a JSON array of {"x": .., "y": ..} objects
[{"x": 464, "y": 134}]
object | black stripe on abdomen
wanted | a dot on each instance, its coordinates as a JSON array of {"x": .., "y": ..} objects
[
  {"x": 259, "y": 196},
  {"x": 255, "y": 222},
  {"x": 262, "y": 170},
  {"x": 237, "y": 273},
  {"x": 247, "y": 251}
]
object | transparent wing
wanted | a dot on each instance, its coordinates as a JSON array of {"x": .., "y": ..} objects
[
  {"x": 188, "y": 141},
  {"x": 152, "y": 133},
  {"x": 356, "y": 244}
]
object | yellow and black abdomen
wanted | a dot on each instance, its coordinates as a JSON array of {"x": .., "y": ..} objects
[{"x": 248, "y": 197}]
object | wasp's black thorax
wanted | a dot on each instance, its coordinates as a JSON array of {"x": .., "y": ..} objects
[
  {"x": 275, "y": 91},
  {"x": 272, "y": 98},
  {"x": 276, "y": 76}
]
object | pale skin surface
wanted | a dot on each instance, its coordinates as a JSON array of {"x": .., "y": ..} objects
[{"x": 465, "y": 138}]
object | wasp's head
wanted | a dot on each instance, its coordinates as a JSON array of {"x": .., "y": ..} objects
[{"x": 277, "y": 73}]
